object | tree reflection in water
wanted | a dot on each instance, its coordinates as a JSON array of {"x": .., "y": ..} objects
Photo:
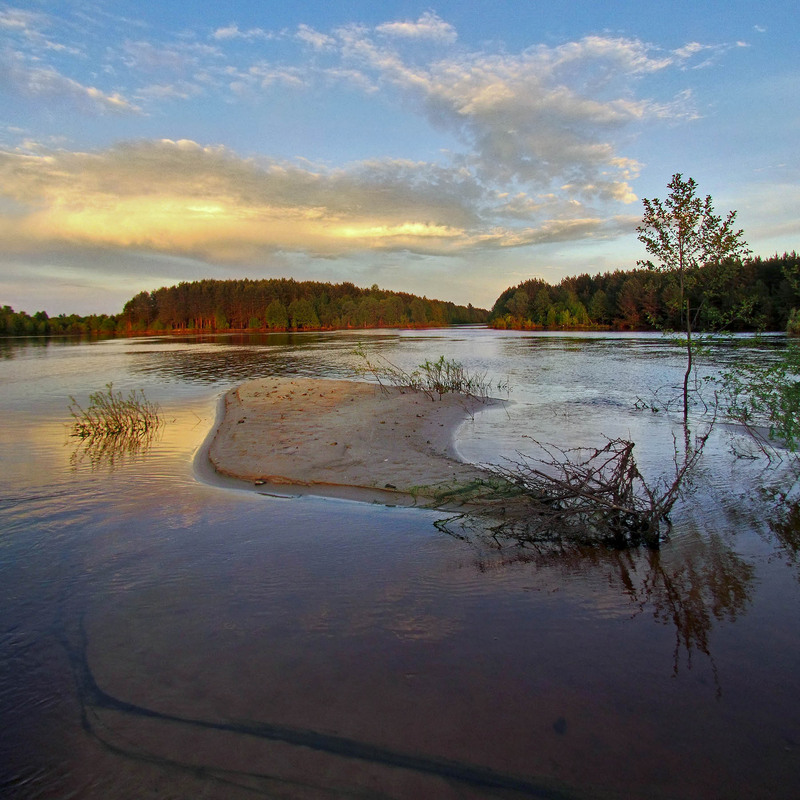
[
  {"x": 225, "y": 359},
  {"x": 689, "y": 587},
  {"x": 786, "y": 530}
]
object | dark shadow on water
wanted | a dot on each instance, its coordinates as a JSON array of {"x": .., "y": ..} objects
[
  {"x": 108, "y": 720},
  {"x": 234, "y": 365}
]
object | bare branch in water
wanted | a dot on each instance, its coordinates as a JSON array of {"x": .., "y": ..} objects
[{"x": 589, "y": 495}]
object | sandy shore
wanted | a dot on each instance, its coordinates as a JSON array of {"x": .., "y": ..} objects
[{"x": 342, "y": 438}]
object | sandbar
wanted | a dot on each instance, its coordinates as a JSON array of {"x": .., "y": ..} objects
[{"x": 342, "y": 438}]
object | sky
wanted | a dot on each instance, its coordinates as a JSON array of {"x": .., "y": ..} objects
[{"x": 448, "y": 149}]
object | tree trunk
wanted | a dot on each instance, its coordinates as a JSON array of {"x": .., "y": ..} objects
[{"x": 688, "y": 364}]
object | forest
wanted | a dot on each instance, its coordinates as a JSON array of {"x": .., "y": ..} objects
[
  {"x": 755, "y": 294},
  {"x": 281, "y": 304}
]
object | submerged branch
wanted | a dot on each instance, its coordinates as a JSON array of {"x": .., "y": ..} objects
[{"x": 587, "y": 496}]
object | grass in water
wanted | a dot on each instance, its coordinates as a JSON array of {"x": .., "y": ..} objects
[
  {"x": 432, "y": 377},
  {"x": 111, "y": 414}
]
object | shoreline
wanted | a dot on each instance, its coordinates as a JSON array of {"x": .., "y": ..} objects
[{"x": 342, "y": 439}]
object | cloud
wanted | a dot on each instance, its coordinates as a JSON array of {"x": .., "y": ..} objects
[
  {"x": 45, "y": 82},
  {"x": 265, "y": 75},
  {"x": 182, "y": 90},
  {"x": 27, "y": 26},
  {"x": 21, "y": 21},
  {"x": 545, "y": 115},
  {"x": 688, "y": 50},
  {"x": 711, "y": 53},
  {"x": 532, "y": 145},
  {"x": 547, "y": 118},
  {"x": 180, "y": 198},
  {"x": 179, "y": 58},
  {"x": 317, "y": 40},
  {"x": 352, "y": 77},
  {"x": 232, "y": 31},
  {"x": 428, "y": 26}
]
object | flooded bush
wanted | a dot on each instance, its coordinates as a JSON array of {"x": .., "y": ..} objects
[
  {"x": 593, "y": 495},
  {"x": 111, "y": 414},
  {"x": 587, "y": 496}
]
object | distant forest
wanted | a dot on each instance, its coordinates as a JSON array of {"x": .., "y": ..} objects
[
  {"x": 641, "y": 299},
  {"x": 638, "y": 299},
  {"x": 282, "y": 304}
]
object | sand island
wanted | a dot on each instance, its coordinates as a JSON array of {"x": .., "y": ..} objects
[{"x": 343, "y": 439}]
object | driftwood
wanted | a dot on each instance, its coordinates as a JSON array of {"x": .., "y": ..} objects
[{"x": 591, "y": 495}]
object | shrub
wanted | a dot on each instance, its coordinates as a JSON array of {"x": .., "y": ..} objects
[{"x": 110, "y": 414}]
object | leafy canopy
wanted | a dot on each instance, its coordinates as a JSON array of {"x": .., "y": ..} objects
[{"x": 683, "y": 233}]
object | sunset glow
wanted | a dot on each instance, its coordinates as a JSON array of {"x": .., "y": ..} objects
[{"x": 258, "y": 140}]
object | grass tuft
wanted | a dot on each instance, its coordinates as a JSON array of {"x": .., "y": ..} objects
[
  {"x": 432, "y": 378},
  {"x": 111, "y": 414}
]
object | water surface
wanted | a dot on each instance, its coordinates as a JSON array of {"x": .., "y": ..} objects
[{"x": 165, "y": 636}]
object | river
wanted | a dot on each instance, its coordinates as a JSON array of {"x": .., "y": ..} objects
[{"x": 166, "y": 635}]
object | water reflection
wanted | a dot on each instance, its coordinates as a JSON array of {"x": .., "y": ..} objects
[
  {"x": 222, "y": 362},
  {"x": 786, "y": 530},
  {"x": 689, "y": 586},
  {"x": 113, "y": 451},
  {"x": 223, "y": 365}
]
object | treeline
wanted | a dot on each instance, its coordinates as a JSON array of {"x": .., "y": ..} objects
[
  {"x": 639, "y": 299},
  {"x": 250, "y": 305},
  {"x": 754, "y": 294},
  {"x": 285, "y": 304},
  {"x": 20, "y": 323}
]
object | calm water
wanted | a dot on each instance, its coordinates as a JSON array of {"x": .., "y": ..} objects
[{"x": 162, "y": 636}]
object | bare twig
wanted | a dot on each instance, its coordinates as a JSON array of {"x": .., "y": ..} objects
[{"x": 592, "y": 495}]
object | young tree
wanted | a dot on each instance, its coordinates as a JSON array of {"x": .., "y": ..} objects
[
  {"x": 683, "y": 234},
  {"x": 276, "y": 316},
  {"x": 302, "y": 314}
]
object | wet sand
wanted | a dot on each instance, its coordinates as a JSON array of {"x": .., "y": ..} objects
[{"x": 343, "y": 439}]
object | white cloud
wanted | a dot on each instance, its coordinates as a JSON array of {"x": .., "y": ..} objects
[
  {"x": 317, "y": 40},
  {"x": 181, "y": 90},
  {"x": 545, "y": 115},
  {"x": 533, "y": 143},
  {"x": 265, "y": 75},
  {"x": 16, "y": 19},
  {"x": 45, "y": 82},
  {"x": 428, "y": 26},
  {"x": 179, "y": 58},
  {"x": 711, "y": 53},
  {"x": 540, "y": 126},
  {"x": 232, "y": 31},
  {"x": 352, "y": 77},
  {"x": 688, "y": 50},
  {"x": 27, "y": 28}
]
